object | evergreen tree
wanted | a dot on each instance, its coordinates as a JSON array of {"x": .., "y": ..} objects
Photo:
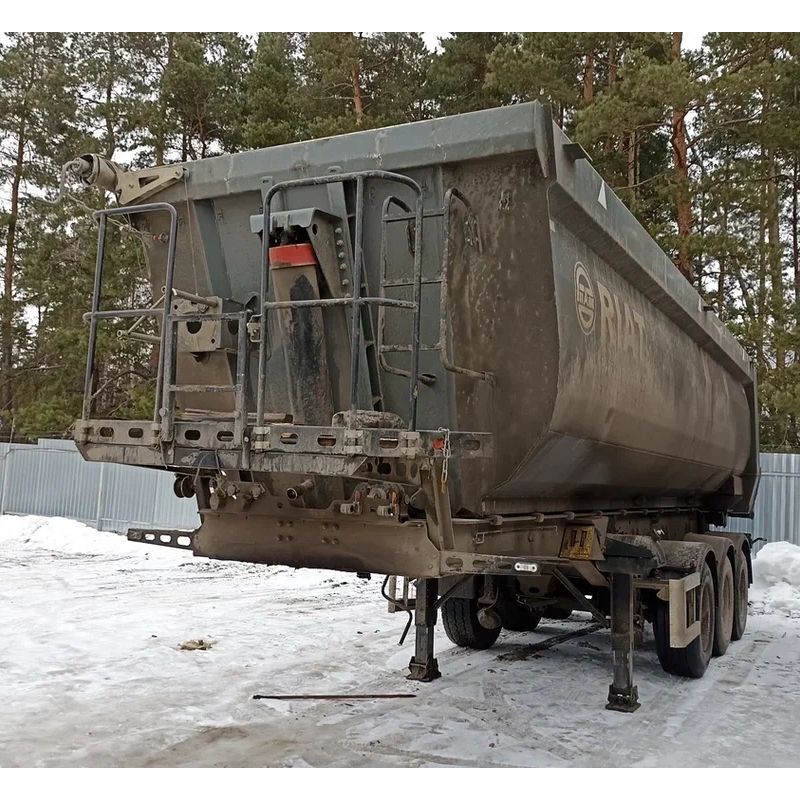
[
  {"x": 273, "y": 92},
  {"x": 750, "y": 129},
  {"x": 203, "y": 84},
  {"x": 458, "y": 73},
  {"x": 37, "y": 104},
  {"x": 353, "y": 81},
  {"x": 703, "y": 146}
]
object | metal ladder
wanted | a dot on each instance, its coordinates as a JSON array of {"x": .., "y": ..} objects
[
  {"x": 357, "y": 299},
  {"x": 166, "y": 386},
  {"x": 171, "y": 388},
  {"x": 404, "y": 282}
]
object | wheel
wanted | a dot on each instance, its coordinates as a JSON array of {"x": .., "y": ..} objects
[
  {"x": 723, "y": 627},
  {"x": 460, "y": 618},
  {"x": 690, "y": 661},
  {"x": 741, "y": 586},
  {"x": 519, "y": 617},
  {"x": 556, "y": 613}
]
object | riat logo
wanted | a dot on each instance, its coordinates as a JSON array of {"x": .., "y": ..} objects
[{"x": 584, "y": 298}]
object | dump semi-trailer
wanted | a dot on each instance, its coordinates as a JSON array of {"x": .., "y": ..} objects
[{"x": 445, "y": 351}]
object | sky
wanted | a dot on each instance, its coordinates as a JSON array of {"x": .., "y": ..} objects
[{"x": 691, "y": 39}]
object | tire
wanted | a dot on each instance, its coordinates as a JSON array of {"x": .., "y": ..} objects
[
  {"x": 741, "y": 588},
  {"x": 556, "y": 613},
  {"x": 690, "y": 661},
  {"x": 518, "y": 617},
  {"x": 460, "y": 619},
  {"x": 723, "y": 626}
]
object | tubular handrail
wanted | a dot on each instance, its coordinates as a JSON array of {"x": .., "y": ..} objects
[
  {"x": 354, "y": 299},
  {"x": 167, "y": 341},
  {"x": 385, "y": 365},
  {"x": 443, "y": 338},
  {"x": 95, "y": 314},
  {"x": 442, "y": 344}
]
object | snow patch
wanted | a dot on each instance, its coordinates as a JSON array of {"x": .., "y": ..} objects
[
  {"x": 93, "y": 674},
  {"x": 72, "y": 538},
  {"x": 776, "y": 580},
  {"x": 64, "y": 539}
]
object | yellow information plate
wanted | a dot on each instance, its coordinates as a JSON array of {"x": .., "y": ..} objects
[{"x": 577, "y": 542}]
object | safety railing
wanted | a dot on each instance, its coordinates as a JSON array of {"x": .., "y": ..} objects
[
  {"x": 355, "y": 300},
  {"x": 95, "y": 315},
  {"x": 404, "y": 281},
  {"x": 166, "y": 387}
]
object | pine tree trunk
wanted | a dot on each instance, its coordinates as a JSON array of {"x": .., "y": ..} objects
[
  {"x": 701, "y": 230},
  {"x": 683, "y": 203},
  {"x": 723, "y": 259},
  {"x": 161, "y": 123},
  {"x": 796, "y": 242},
  {"x": 111, "y": 141},
  {"x": 612, "y": 61},
  {"x": 608, "y": 146},
  {"x": 7, "y": 394},
  {"x": 796, "y": 268},
  {"x": 762, "y": 280},
  {"x": 774, "y": 259},
  {"x": 588, "y": 80},
  {"x": 632, "y": 148},
  {"x": 358, "y": 100}
]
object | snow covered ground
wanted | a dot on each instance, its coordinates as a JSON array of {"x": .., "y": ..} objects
[{"x": 92, "y": 673}]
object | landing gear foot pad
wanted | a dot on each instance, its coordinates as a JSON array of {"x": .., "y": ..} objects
[
  {"x": 622, "y": 700},
  {"x": 423, "y": 671}
]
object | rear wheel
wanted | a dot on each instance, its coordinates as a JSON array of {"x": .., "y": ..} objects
[
  {"x": 741, "y": 585},
  {"x": 519, "y": 617},
  {"x": 556, "y": 613},
  {"x": 690, "y": 661},
  {"x": 724, "y": 612},
  {"x": 460, "y": 619}
]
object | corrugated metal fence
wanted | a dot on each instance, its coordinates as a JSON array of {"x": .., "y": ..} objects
[
  {"x": 51, "y": 479},
  {"x": 777, "y": 511}
]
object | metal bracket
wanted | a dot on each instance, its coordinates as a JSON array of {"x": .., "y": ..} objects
[
  {"x": 82, "y": 429},
  {"x": 260, "y": 438},
  {"x": 141, "y": 184},
  {"x": 183, "y": 540},
  {"x": 352, "y": 442},
  {"x": 409, "y": 444}
]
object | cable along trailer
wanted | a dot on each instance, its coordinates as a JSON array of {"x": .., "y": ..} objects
[{"x": 444, "y": 351}]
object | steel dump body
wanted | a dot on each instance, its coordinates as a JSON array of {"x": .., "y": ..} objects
[
  {"x": 605, "y": 384},
  {"x": 445, "y": 351}
]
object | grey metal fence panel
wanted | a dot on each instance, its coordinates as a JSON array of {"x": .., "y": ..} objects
[
  {"x": 56, "y": 444},
  {"x": 51, "y": 479},
  {"x": 136, "y": 497},
  {"x": 3, "y": 450},
  {"x": 777, "y": 510}
]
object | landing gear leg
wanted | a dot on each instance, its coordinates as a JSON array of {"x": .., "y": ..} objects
[
  {"x": 622, "y": 694},
  {"x": 423, "y": 666}
]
